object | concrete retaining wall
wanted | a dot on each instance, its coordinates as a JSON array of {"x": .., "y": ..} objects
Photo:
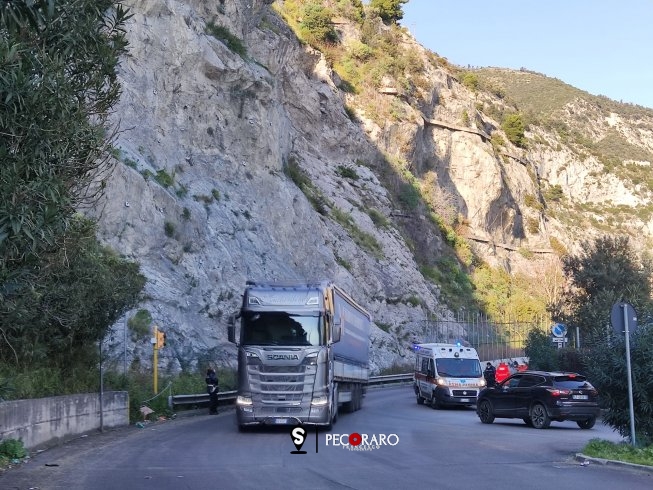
[{"x": 44, "y": 422}]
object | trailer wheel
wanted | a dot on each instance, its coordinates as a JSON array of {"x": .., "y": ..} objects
[
  {"x": 358, "y": 397},
  {"x": 348, "y": 407}
]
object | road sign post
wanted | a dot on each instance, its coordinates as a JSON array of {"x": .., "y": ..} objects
[
  {"x": 623, "y": 317},
  {"x": 155, "y": 359}
]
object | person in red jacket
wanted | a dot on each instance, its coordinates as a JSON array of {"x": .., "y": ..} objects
[{"x": 503, "y": 371}]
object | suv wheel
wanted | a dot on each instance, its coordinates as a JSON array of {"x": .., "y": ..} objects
[
  {"x": 539, "y": 417},
  {"x": 528, "y": 421},
  {"x": 586, "y": 424},
  {"x": 485, "y": 412}
]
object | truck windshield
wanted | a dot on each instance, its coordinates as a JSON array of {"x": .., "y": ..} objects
[
  {"x": 459, "y": 368},
  {"x": 280, "y": 328}
]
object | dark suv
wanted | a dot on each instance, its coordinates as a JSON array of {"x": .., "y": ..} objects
[{"x": 539, "y": 397}]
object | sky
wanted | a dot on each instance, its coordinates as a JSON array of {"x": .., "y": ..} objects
[{"x": 604, "y": 47}]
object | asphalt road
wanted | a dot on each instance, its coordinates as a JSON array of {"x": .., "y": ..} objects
[{"x": 443, "y": 449}]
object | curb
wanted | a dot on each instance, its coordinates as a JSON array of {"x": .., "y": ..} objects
[{"x": 587, "y": 459}]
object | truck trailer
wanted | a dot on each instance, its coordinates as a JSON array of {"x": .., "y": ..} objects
[{"x": 303, "y": 351}]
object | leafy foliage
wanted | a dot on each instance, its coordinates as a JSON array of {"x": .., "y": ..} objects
[
  {"x": 60, "y": 290},
  {"x": 57, "y": 85},
  {"x": 80, "y": 290},
  {"x": 606, "y": 364},
  {"x": 622, "y": 451},
  {"x": 507, "y": 296},
  {"x": 302, "y": 180},
  {"x": 140, "y": 324},
  {"x": 347, "y": 172},
  {"x": 389, "y": 10},
  {"x": 316, "y": 26},
  {"x": 513, "y": 125},
  {"x": 554, "y": 193},
  {"x": 470, "y": 80},
  {"x": 604, "y": 272},
  {"x": 12, "y": 449},
  {"x": 224, "y": 34},
  {"x": 541, "y": 352}
]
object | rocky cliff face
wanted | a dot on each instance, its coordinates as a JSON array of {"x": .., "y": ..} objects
[{"x": 213, "y": 145}]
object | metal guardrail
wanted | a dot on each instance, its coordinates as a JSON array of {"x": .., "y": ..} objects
[{"x": 229, "y": 397}]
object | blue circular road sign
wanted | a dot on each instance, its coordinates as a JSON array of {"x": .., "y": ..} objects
[{"x": 559, "y": 330}]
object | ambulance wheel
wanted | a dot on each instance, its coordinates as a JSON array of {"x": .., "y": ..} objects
[
  {"x": 420, "y": 398},
  {"x": 435, "y": 403}
]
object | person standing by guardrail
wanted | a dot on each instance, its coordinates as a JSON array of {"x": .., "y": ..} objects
[
  {"x": 489, "y": 375},
  {"x": 212, "y": 389}
]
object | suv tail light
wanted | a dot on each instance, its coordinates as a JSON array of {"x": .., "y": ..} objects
[{"x": 557, "y": 392}]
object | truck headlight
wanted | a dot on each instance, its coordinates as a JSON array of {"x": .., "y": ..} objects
[
  {"x": 320, "y": 401},
  {"x": 243, "y": 400},
  {"x": 311, "y": 359},
  {"x": 252, "y": 358}
]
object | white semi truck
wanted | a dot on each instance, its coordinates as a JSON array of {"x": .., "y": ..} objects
[
  {"x": 303, "y": 350},
  {"x": 447, "y": 374}
]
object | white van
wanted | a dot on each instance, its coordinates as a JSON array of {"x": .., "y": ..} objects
[{"x": 447, "y": 374}]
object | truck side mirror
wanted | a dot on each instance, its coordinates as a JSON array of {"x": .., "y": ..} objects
[{"x": 231, "y": 329}]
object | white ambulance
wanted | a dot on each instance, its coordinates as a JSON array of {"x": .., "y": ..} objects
[{"x": 447, "y": 375}]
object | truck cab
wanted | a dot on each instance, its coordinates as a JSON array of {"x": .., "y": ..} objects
[{"x": 303, "y": 350}]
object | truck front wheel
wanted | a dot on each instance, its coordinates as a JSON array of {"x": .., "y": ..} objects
[{"x": 334, "y": 407}]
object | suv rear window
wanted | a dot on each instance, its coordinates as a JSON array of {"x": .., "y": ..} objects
[{"x": 571, "y": 383}]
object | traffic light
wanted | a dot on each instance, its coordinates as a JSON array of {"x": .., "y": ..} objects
[{"x": 160, "y": 339}]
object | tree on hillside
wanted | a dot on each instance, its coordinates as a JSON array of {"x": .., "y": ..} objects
[
  {"x": 316, "y": 26},
  {"x": 507, "y": 297},
  {"x": 59, "y": 289},
  {"x": 390, "y": 11},
  {"x": 513, "y": 126},
  {"x": 607, "y": 271},
  {"x": 604, "y": 272},
  {"x": 80, "y": 289}
]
